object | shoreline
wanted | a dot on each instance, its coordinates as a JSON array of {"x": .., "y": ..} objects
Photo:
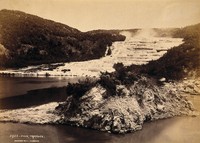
[{"x": 50, "y": 114}]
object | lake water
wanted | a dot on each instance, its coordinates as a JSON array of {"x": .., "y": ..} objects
[
  {"x": 15, "y": 90},
  {"x": 13, "y": 86},
  {"x": 173, "y": 130}
]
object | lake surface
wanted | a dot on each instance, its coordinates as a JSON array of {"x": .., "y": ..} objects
[
  {"x": 21, "y": 92},
  {"x": 13, "y": 86}
]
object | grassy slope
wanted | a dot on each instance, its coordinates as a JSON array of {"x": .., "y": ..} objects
[{"x": 32, "y": 40}]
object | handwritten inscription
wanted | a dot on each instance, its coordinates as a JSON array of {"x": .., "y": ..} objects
[{"x": 26, "y": 138}]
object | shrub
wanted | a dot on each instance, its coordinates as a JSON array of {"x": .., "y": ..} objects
[
  {"x": 126, "y": 75},
  {"x": 109, "y": 82},
  {"x": 80, "y": 88},
  {"x": 122, "y": 76}
]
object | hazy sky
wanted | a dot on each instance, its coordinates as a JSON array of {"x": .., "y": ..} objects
[{"x": 112, "y": 14}]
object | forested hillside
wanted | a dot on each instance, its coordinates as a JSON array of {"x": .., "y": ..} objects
[{"x": 28, "y": 40}]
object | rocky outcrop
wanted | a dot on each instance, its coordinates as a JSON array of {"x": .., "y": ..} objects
[
  {"x": 188, "y": 86},
  {"x": 127, "y": 110},
  {"x": 3, "y": 50},
  {"x": 191, "y": 86}
]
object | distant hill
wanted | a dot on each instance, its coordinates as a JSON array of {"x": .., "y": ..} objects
[
  {"x": 28, "y": 40},
  {"x": 166, "y": 32},
  {"x": 178, "y": 62}
]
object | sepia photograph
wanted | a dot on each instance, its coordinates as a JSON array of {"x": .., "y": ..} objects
[{"x": 99, "y": 71}]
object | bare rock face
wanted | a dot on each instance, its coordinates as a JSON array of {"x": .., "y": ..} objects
[
  {"x": 126, "y": 111},
  {"x": 190, "y": 86},
  {"x": 3, "y": 50}
]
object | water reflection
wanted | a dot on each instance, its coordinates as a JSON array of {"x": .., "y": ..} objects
[
  {"x": 16, "y": 92},
  {"x": 13, "y": 86},
  {"x": 34, "y": 97},
  {"x": 174, "y": 130}
]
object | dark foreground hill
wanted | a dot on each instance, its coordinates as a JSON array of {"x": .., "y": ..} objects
[{"x": 28, "y": 40}]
